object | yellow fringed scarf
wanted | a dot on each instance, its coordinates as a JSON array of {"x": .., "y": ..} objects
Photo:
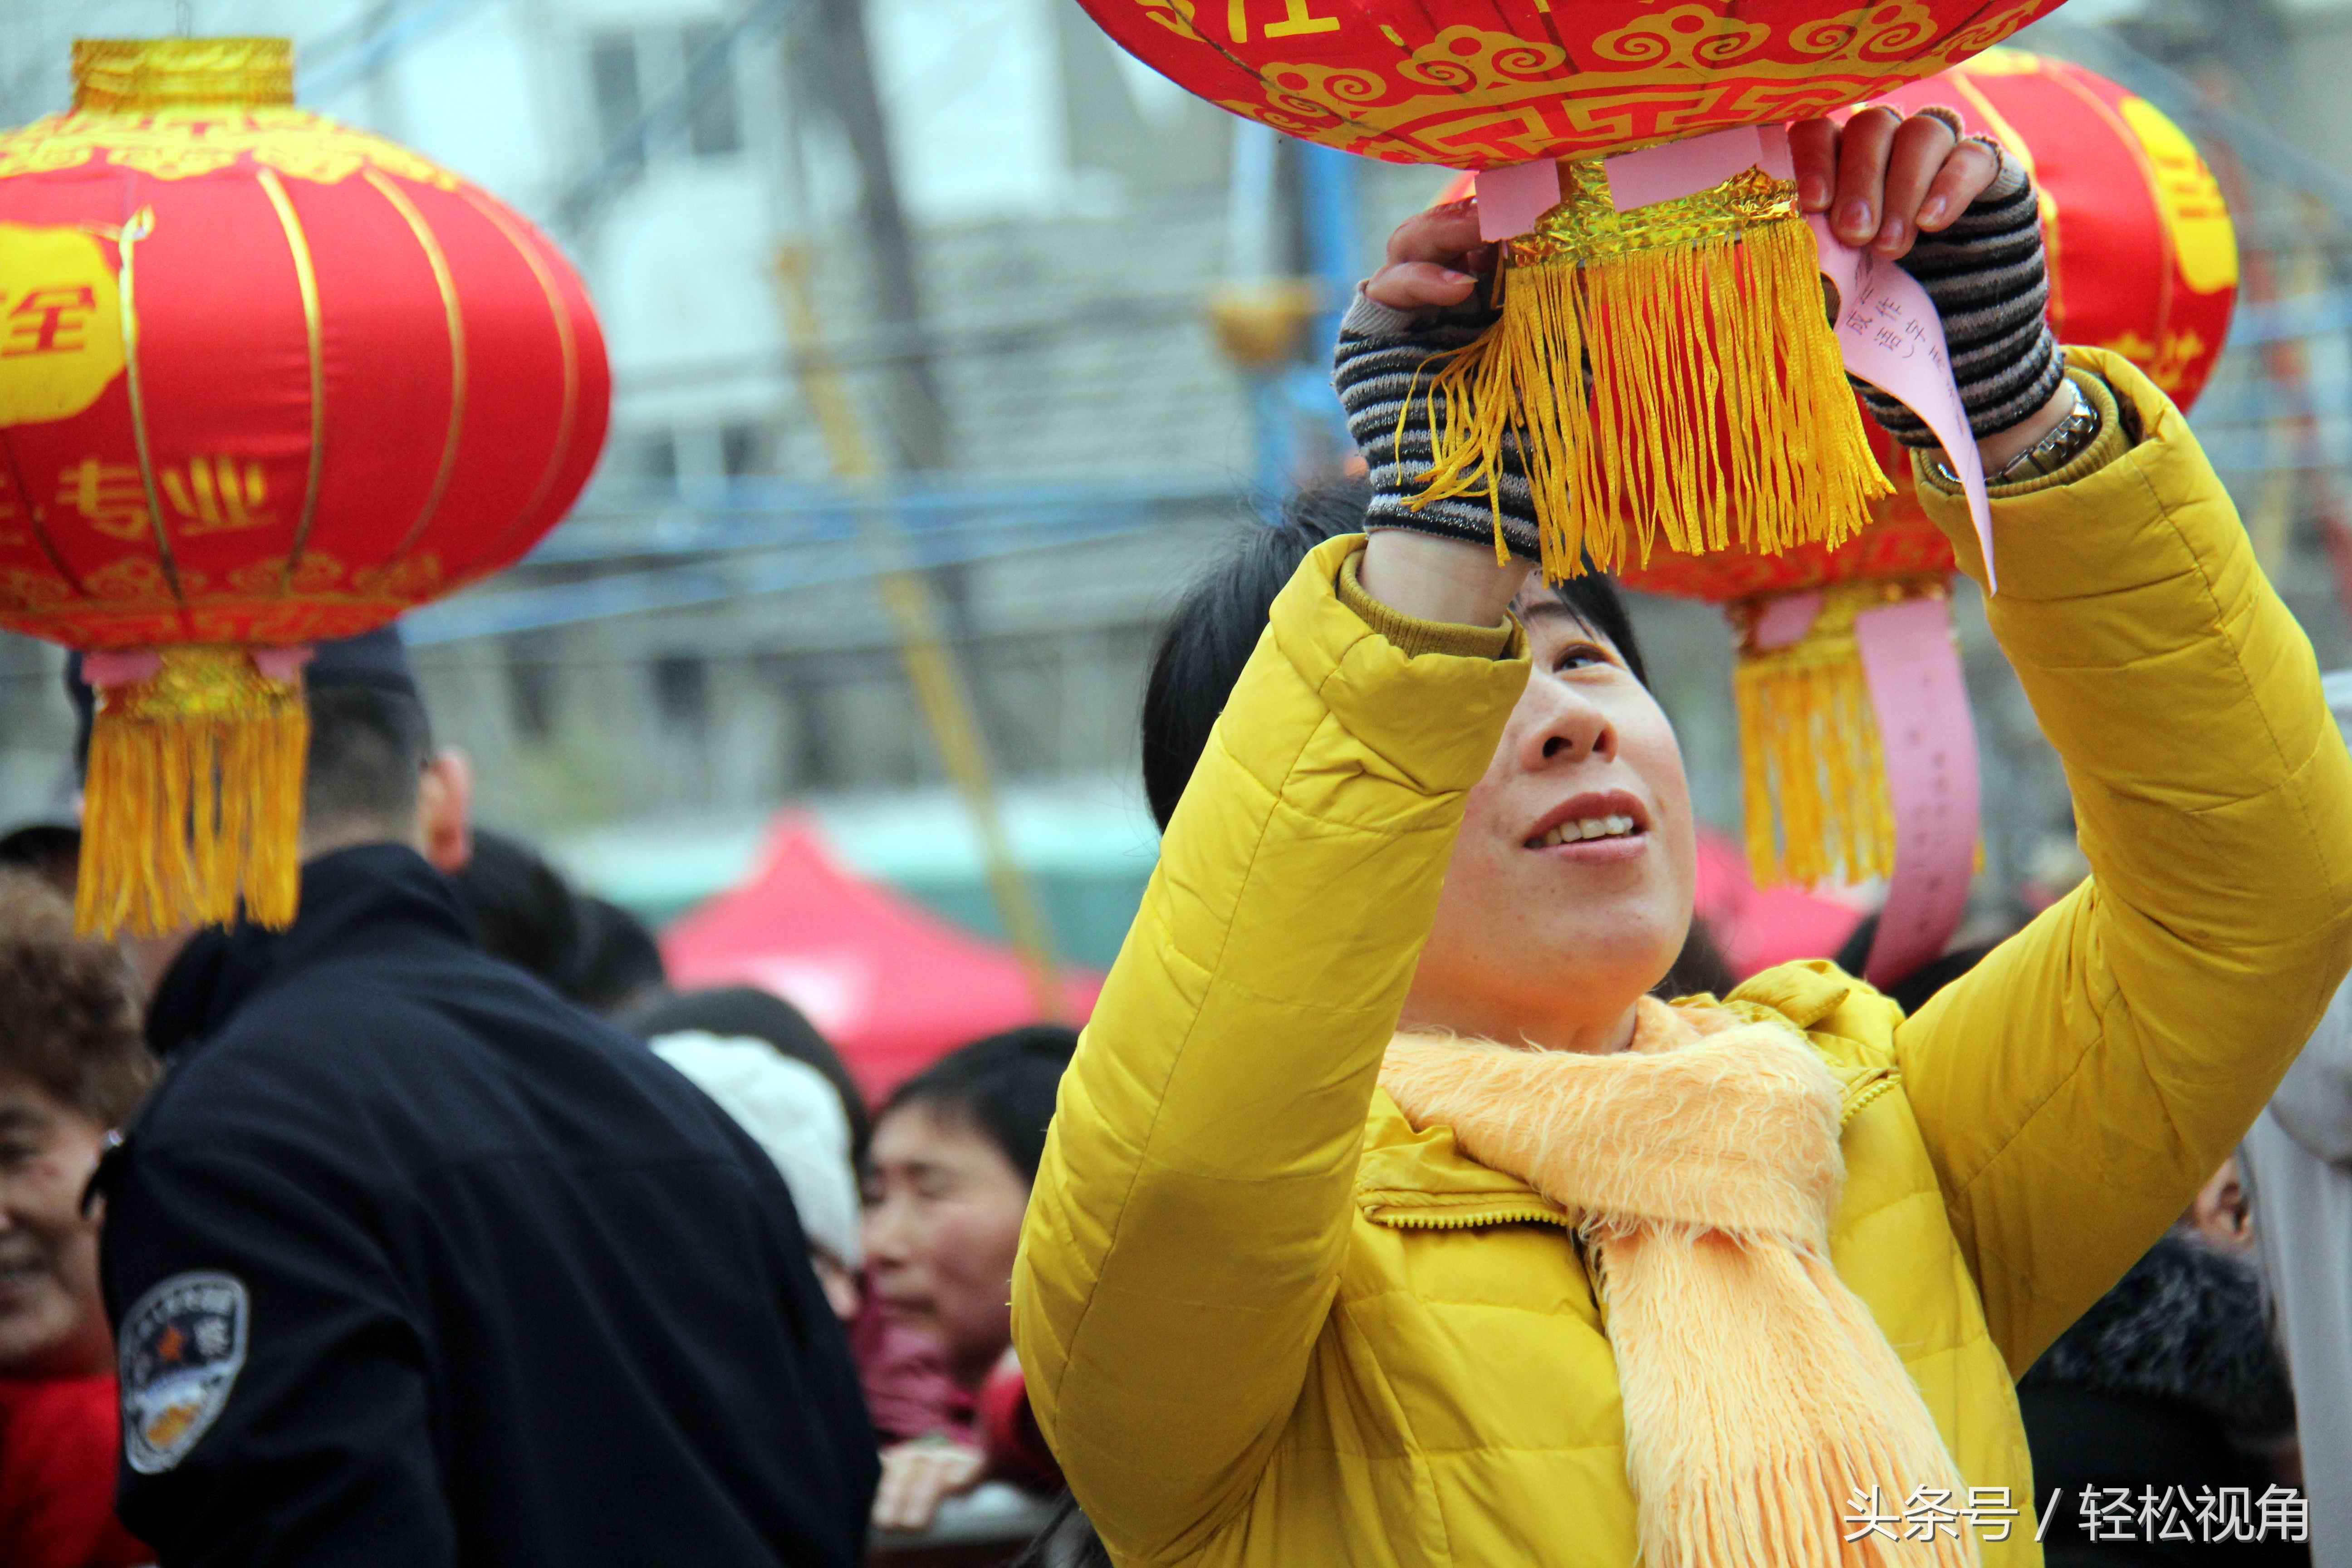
[{"x": 1759, "y": 1395}]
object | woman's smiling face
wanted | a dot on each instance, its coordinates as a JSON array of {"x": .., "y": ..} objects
[
  {"x": 1571, "y": 887},
  {"x": 52, "y": 1321}
]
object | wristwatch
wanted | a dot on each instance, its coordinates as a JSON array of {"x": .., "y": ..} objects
[{"x": 2069, "y": 439}]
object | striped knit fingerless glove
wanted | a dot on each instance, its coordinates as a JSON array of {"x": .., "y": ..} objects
[
  {"x": 1986, "y": 275},
  {"x": 1384, "y": 359}
]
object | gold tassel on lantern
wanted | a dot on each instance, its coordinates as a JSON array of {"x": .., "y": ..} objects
[
  {"x": 1668, "y": 371},
  {"x": 1808, "y": 745},
  {"x": 193, "y": 799}
]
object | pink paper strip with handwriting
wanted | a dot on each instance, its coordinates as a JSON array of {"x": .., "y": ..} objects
[
  {"x": 1929, "y": 737},
  {"x": 1677, "y": 169},
  {"x": 1891, "y": 336},
  {"x": 1510, "y": 199}
]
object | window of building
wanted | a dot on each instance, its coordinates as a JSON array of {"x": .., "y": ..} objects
[
  {"x": 620, "y": 109},
  {"x": 682, "y": 691},
  {"x": 739, "y": 448},
  {"x": 661, "y": 71},
  {"x": 712, "y": 126}
]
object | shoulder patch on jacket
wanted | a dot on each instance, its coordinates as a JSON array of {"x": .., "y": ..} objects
[{"x": 183, "y": 1344}]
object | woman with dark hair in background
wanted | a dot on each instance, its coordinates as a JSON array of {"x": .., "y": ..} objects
[
  {"x": 1387, "y": 1218},
  {"x": 955, "y": 1150},
  {"x": 584, "y": 947}
]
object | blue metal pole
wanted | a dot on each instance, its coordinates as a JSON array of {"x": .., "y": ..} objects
[{"x": 1332, "y": 241}]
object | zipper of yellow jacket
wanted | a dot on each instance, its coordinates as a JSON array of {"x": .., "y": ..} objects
[{"x": 1859, "y": 1093}]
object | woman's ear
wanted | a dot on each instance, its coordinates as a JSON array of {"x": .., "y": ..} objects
[{"x": 445, "y": 811}]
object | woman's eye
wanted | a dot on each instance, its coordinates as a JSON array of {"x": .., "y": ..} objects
[{"x": 1579, "y": 656}]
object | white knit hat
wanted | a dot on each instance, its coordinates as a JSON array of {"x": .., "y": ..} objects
[{"x": 791, "y": 1111}]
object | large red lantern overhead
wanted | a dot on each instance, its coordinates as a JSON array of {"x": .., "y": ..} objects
[
  {"x": 264, "y": 379},
  {"x": 2143, "y": 260},
  {"x": 1476, "y": 84},
  {"x": 1636, "y": 343}
]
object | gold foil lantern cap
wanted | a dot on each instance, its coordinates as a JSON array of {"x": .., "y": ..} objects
[{"x": 127, "y": 75}]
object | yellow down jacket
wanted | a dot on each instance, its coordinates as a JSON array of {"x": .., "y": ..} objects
[{"x": 1265, "y": 1322}]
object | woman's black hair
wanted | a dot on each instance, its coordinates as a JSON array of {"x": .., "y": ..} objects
[
  {"x": 1700, "y": 968},
  {"x": 525, "y": 910},
  {"x": 1217, "y": 624},
  {"x": 748, "y": 1012},
  {"x": 1002, "y": 1087}
]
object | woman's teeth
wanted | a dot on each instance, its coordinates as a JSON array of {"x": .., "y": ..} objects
[{"x": 1590, "y": 828}]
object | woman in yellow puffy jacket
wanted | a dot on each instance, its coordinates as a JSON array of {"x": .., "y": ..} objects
[{"x": 1386, "y": 1218}]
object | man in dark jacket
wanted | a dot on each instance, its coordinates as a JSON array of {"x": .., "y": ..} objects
[{"x": 410, "y": 1261}]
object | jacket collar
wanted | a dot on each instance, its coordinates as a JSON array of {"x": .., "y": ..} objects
[
  {"x": 1404, "y": 1173},
  {"x": 359, "y": 896}
]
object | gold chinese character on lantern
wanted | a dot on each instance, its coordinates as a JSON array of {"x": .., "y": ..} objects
[
  {"x": 60, "y": 323},
  {"x": 203, "y": 495},
  {"x": 215, "y": 495},
  {"x": 108, "y": 496},
  {"x": 50, "y": 319}
]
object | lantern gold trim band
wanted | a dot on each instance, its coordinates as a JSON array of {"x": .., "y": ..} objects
[
  {"x": 1665, "y": 371},
  {"x": 127, "y": 75}
]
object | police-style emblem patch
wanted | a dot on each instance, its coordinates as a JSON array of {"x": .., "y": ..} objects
[{"x": 182, "y": 1345}]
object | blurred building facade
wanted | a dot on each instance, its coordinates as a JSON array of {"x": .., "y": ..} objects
[{"x": 1028, "y": 356}]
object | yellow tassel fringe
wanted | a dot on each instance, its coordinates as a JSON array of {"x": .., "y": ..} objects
[
  {"x": 193, "y": 800},
  {"x": 1669, "y": 372},
  {"x": 1813, "y": 767}
]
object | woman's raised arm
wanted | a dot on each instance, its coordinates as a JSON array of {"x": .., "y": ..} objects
[
  {"x": 2078, "y": 1086},
  {"x": 1184, "y": 1238}
]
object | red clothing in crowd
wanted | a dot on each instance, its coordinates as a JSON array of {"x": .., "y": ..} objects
[
  {"x": 58, "y": 1438},
  {"x": 910, "y": 1394}
]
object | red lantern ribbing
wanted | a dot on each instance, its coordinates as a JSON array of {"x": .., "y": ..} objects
[{"x": 264, "y": 379}]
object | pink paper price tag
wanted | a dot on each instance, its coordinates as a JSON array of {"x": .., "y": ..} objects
[
  {"x": 1929, "y": 738},
  {"x": 104, "y": 669},
  {"x": 1890, "y": 336},
  {"x": 1511, "y": 199}
]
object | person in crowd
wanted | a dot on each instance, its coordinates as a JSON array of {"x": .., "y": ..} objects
[
  {"x": 2297, "y": 1161},
  {"x": 72, "y": 1067},
  {"x": 1387, "y": 1218},
  {"x": 48, "y": 845},
  {"x": 1910, "y": 992},
  {"x": 797, "y": 1115},
  {"x": 2169, "y": 1387},
  {"x": 588, "y": 949},
  {"x": 409, "y": 1260},
  {"x": 618, "y": 965},
  {"x": 738, "y": 1011},
  {"x": 527, "y": 913},
  {"x": 955, "y": 1150}
]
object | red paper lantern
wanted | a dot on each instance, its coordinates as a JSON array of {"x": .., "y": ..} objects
[
  {"x": 264, "y": 379},
  {"x": 2143, "y": 260},
  {"x": 1505, "y": 81}
]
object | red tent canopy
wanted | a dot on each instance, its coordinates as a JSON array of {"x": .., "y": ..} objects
[{"x": 891, "y": 986}]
